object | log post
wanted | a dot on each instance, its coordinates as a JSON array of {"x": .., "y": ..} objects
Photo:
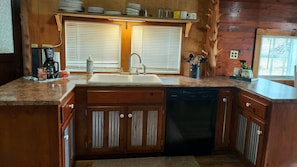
[
  {"x": 26, "y": 47},
  {"x": 211, "y": 45}
]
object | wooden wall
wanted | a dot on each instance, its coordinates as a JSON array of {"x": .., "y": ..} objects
[
  {"x": 239, "y": 22},
  {"x": 43, "y": 28}
]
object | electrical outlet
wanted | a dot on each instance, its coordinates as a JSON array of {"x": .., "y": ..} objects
[{"x": 234, "y": 54}]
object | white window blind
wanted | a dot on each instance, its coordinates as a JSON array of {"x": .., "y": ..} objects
[
  {"x": 159, "y": 48},
  {"x": 100, "y": 41}
]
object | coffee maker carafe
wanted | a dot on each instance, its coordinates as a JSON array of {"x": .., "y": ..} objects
[{"x": 52, "y": 67}]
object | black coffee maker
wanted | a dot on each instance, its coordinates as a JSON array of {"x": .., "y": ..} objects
[{"x": 52, "y": 67}]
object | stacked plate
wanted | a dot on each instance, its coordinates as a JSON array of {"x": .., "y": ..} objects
[
  {"x": 71, "y": 5},
  {"x": 112, "y": 13},
  {"x": 93, "y": 9},
  {"x": 133, "y": 9}
]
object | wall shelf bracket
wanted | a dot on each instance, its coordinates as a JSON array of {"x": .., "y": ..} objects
[
  {"x": 59, "y": 21},
  {"x": 188, "y": 28}
]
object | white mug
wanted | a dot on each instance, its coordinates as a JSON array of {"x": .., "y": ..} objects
[
  {"x": 192, "y": 16},
  {"x": 183, "y": 14}
]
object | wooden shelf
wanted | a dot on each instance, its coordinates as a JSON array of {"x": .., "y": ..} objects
[{"x": 125, "y": 18}]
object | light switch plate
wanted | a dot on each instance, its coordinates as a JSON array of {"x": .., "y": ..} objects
[{"x": 234, "y": 54}]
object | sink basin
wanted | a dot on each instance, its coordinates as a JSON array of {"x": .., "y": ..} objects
[{"x": 125, "y": 79}]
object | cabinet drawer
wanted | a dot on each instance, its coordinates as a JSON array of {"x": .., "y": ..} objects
[
  {"x": 67, "y": 106},
  {"x": 253, "y": 105},
  {"x": 124, "y": 96}
]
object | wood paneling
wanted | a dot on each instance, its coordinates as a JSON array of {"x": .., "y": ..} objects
[
  {"x": 239, "y": 22},
  {"x": 282, "y": 146},
  {"x": 238, "y": 25},
  {"x": 43, "y": 29},
  {"x": 29, "y": 136}
]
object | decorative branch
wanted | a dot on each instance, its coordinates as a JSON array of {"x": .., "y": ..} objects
[{"x": 211, "y": 45}]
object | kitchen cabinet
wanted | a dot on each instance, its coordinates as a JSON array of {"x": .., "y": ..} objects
[
  {"x": 123, "y": 120},
  {"x": 225, "y": 101},
  {"x": 250, "y": 121},
  {"x": 33, "y": 135},
  {"x": 67, "y": 118}
]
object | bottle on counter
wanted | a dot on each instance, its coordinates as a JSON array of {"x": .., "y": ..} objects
[{"x": 89, "y": 66}]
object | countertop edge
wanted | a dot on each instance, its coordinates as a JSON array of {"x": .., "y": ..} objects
[{"x": 261, "y": 88}]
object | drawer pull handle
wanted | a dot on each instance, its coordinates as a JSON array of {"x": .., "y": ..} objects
[
  {"x": 71, "y": 106},
  {"x": 259, "y": 132},
  {"x": 248, "y": 104},
  {"x": 225, "y": 118},
  {"x": 130, "y": 115},
  {"x": 122, "y": 116}
]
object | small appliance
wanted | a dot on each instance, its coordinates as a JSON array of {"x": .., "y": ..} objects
[{"x": 52, "y": 67}]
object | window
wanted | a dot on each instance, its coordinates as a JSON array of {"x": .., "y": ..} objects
[
  {"x": 100, "y": 41},
  {"x": 159, "y": 47},
  {"x": 6, "y": 35},
  {"x": 275, "y": 53}
]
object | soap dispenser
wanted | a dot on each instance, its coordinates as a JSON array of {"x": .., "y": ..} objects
[{"x": 89, "y": 66}]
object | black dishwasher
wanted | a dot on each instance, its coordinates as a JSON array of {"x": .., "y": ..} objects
[{"x": 190, "y": 121}]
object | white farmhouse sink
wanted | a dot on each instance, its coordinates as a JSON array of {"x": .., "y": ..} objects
[{"x": 125, "y": 79}]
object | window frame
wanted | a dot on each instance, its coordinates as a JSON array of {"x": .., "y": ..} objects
[
  {"x": 126, "y": 29},
  {"x": 160, "y": 71},
  {"x": 259, "y": 35},
  {"x": 96, "y": 69},
  {"x": 11, "y": 64},
  {"x": 16, "y": 34}
]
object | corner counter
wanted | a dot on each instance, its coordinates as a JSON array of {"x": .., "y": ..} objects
[
  {"x": 25, "y": 92},
  {"x": 32, "y": 113}
]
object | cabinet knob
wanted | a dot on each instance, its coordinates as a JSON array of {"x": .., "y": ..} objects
[
  {"x": 225, "y": 99},
  {"x": 71, "y": 106},
  {"x": 259, "y": 132},
  {"x": 122, "y": 115},
  {"x": 129, "y": 115},
  {"x": 247, "y": 104},
  {"x": 66, "y": 137}
]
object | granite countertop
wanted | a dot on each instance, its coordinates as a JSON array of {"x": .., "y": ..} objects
[{"x": 26, "y": 92}]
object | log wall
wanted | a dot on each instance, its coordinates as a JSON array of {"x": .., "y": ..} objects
[
  {"x": 239, "y": 22},
  {"x": 43, "y": 29}
]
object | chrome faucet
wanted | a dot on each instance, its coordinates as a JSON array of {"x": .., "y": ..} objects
[{"x": 143, "y": 66}]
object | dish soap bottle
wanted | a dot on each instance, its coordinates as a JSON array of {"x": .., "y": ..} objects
[{"x": 89, "y": 66}]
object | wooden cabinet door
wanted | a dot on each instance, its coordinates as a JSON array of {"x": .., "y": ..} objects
[
  {"x": 68, "y": 141},
  {"x": 106, "y": 130},
  {"x": 241, "y": 132},
  {"x": 255, "y": 142},
  {"x": 145, "y": 128},
  {"x": 249, "y": 139},
  {"x": 223, "y": 124}
]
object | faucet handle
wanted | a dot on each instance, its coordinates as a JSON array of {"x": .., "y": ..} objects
[{"x": 144, "y": 69}]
